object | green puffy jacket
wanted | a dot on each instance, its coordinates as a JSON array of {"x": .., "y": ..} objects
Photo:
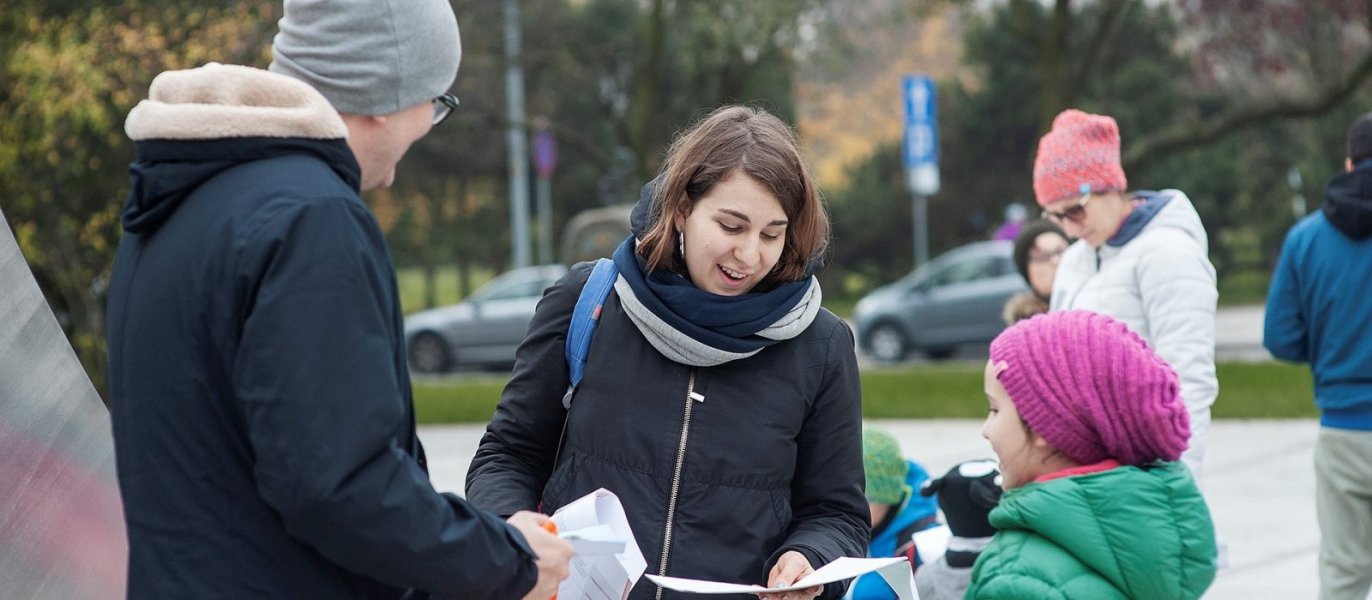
[{"x": 1129, "y": 532}]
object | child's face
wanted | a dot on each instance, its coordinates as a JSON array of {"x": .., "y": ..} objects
[{"x": 1024, "y": 456}]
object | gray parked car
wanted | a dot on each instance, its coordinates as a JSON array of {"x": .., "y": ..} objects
[
  {"x": 483, "y": 330},
  {"x": 953, "y": 300}
]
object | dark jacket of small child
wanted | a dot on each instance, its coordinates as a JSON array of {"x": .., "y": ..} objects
[
  {"x": 966, "y": 495},
  {"x": 894, "y": 535}
]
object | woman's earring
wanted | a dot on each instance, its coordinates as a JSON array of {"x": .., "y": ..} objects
[{"x": 681, "y": 244}]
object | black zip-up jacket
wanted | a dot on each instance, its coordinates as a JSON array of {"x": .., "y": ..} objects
[
  {"x": 263, "y": 421},
  {"x": 770, "y": 455}
]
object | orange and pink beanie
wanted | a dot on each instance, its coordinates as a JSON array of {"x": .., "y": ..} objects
[{"x": 1079, "y": 155}]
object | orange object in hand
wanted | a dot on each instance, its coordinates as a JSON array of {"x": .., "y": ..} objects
[{"x": 551, "y": 527}]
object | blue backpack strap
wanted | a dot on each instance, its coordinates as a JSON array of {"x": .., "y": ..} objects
[{"x": 585, "y": 317}]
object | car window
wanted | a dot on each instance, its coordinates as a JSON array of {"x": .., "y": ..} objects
[
  {"x": 964, "y": 271},
  {"x": 1005, "y": 266},
  {"x": 519, "y": 288}
]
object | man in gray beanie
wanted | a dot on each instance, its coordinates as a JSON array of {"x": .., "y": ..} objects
[
  {"x": 263, "y": 417},
  {"x": 381, "y": 64}
]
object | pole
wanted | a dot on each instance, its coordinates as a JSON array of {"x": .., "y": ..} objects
[
  {"x": 544, "y": 192},
  {"x": 517, "y": 139},
  {"x": 921, "y": 218}
]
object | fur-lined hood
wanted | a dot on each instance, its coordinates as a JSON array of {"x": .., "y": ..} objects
[
  {"x": 198, "y": 123},
  {"x": 228, "y": 101}
]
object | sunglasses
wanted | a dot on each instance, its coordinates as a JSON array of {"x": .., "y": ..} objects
[
  {"x": 1074, "y": 213},
  {"x": 443, "y": 106}
]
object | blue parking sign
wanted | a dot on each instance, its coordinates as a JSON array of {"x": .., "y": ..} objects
[{"x": 921, "y": 134}]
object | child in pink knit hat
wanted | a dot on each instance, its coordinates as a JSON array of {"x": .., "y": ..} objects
[{"x": 1086, "y": 421}]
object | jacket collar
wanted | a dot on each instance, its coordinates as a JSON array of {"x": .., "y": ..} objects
[
  {"x": 201, "y": 122},
  {"x": 1150, "y": 204},
  {"x": 229, "y": 101}
]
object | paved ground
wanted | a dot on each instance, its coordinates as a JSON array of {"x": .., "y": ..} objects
[
  {"x": 1259, "y": 482},
  {"x": 1238, "y": 333}
]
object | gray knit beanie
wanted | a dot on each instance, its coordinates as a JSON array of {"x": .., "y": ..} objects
[{"x": 369, "y": 57}]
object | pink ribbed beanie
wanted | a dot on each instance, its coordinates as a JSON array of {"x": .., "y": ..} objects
[
  {"x": 1092, "y": 388},
  {"x": 1080, "y": 154}
]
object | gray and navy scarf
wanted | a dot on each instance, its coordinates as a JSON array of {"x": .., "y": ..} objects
[{"x": 698, "y": 328}]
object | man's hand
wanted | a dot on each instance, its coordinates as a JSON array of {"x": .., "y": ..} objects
[
  {"x": 553, "y": 553},
  {"x": 789, "y": 568}
]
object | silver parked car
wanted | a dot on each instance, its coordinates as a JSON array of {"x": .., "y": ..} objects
[
  {"x": 954, "y": 299},
  {"x": 483, "y": 330}
]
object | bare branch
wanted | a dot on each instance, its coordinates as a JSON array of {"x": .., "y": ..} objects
[
  {"x": 1110, "y": 22},
  {"x": 1194, "y": 132}
]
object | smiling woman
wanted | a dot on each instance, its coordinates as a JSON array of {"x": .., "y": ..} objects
[
  {"x": 727, "y": 251},
  {"x": 719, "y": 401}
]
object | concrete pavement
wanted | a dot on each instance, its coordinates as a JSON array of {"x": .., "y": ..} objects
[
  {"x": 1259, "y": 482},
  {"x": 1238, "y": 334}
]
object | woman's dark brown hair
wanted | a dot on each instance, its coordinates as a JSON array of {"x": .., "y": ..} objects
[{"x": 738, "y": 139}]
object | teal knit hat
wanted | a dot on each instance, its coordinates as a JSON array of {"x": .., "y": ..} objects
[{"x": 885, "y": 466}]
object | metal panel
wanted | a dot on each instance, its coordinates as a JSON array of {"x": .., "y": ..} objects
[{"x": 61, "y": 521}]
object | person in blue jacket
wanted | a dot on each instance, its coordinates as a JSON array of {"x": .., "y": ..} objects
[
  {"x": 1318, "y": 313},
  {"x": 898, "y": 510},
  {"x": 263, "y": 421}
]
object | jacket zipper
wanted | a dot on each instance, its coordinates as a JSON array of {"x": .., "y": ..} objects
[{"x": 691, "y": 398}]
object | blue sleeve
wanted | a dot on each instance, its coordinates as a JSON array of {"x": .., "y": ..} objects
[
  {"x": 330, "y": 420},
  {"x": 1285, "y": 333}
]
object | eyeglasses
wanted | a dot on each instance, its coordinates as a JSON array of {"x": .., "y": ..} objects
[
  {"x": 443, "y": 106},
  {"x": 1074, "y": 213},
  {"x": 1046, "y": 257}
]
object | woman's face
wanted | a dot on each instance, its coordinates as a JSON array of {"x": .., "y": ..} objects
[
  {"x": 1043, "y": 261},
  {"x": 1099, "y": 217},
  {"x": 733, "y": 236},
  {"x": 1023, "y": 455}
]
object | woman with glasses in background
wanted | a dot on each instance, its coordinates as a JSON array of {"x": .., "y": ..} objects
[
  {"x": 1140, "y": 257},
  {"x": 1037, "y": 250}
]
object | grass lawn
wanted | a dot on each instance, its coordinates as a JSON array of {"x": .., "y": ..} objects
[
  {"x": 411, "y": 283},
  {"x": 1247, "y": 391}
]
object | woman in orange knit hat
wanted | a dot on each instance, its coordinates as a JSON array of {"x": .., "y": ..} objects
[{"x": 1141, "y": 257}]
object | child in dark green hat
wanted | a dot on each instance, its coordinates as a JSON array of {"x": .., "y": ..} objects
[{"x": 897, "y": 510}]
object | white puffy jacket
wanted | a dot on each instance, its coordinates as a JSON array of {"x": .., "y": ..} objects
[{"x": 1161, "y": 284}]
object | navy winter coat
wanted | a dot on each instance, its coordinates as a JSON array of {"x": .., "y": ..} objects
[
  {"x": 720, "y": 469},
  {"x": 263, "y": 421}
]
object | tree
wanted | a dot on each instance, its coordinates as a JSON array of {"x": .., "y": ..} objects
[
  {"x": 1293, "y": 60},
  {"x": 613, "y": 82},
  {"x": 71, "y": 74},
  {"x": 1157, "y": 71}
]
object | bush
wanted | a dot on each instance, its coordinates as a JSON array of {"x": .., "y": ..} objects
[{"x": 1266, "y": 390}]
